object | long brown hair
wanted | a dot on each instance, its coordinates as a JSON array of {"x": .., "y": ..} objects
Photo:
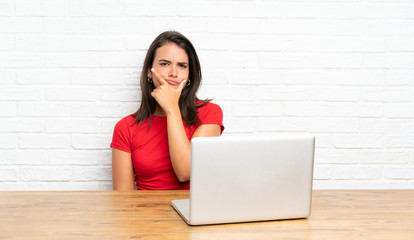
[{"x": 188, "y": 98}]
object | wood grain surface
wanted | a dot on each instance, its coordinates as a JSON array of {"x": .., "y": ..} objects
[{"x": 336, "y": 214}]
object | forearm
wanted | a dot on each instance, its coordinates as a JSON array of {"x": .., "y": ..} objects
[{"x": 179, "y": 145}]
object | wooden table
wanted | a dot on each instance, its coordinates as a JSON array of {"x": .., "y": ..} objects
[{"x": 350, "y": 214}]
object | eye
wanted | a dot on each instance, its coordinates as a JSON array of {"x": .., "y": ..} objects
[
  {"x": 182, "y": 65},
  {"x": 163, "y": 63}
]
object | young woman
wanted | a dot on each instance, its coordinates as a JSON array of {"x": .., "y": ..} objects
[{"x": 151, "y": 148}]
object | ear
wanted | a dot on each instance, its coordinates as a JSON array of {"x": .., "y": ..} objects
[{"x": 149, "y": 73}]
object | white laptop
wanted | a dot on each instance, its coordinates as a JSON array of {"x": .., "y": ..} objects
[{"x": 249, "y": 178}]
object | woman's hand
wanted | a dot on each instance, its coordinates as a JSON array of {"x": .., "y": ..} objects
[{"x": 166, "y": 95}]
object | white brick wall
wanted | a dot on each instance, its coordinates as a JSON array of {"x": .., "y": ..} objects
[{"x": 342, "y": 70}]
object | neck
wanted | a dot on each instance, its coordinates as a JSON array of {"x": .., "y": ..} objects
[{"x": 159, "y": 112}]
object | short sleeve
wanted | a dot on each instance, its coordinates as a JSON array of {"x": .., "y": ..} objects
[
  {"x": 211, "y": 114},
  {"x": 121, "y": 136}
]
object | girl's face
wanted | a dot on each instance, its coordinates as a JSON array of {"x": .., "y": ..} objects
[{"x": 171, "y": 61}]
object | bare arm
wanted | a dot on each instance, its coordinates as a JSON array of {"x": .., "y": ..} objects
[
  {"x": 178, "y": 143},
  {"x": 122, "y": 170},
  {"x": 180, "y": 147}
]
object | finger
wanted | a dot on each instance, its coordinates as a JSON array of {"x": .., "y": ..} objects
[
  {"x": 182, "y": 85},
  {"x": 158, "y": 77}
]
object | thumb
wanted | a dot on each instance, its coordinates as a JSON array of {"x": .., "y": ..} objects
[{"x": 181, "y": 86}]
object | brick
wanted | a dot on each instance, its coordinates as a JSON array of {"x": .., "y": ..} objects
[
  {"x": 317, "y": 60},
  {"x": 182, "y": 24},
  {"x": 21, "y": 94},
  {"x": 46, "y": 174},
  {"x": 91, "y": 141},
  {"x": 8, "y": 109},
  {"x": 254, "y": 43},
  {"x": 71, "y": 94},
  {"x": 389, "y": 28},
  {"x": 29, "y": 43},
  {"x": 257, "y": 10},
  {"x": 44, "y": 141},
  {"x": 204, "y": 8},
  {"x": 21, "y": 25},
  {"x": 336, "y": 156},
  {"x": 347, "y": 94},
  {"x": 321, "y": 10},
  {"x": 256, "y": 109},
  {"x": 71, "y": 25},
  {"x": 8, "y": 175},
  {"x": 282, "y": 124},
  {"x": 149, "y": 9},
  {"x": 8, "y": 141},
  {"x": 400, "y": 44},
  {"x": 216, "y": 77},
  {"x": 104, "y": 8},
  {"x": 72, "y": 59},
  {"x": 236, "y": 93},
  {"x": 399, "y": 110},
  {"x": 6, "y": 43},
  {"x": 42, "y": 8},
  {"x": 120, "y": 94},
  {"x": 385, "y": 156},
  {"x": 233, "y": 25},
  {"x": 399, "y": 141},
  {"x": 283, "y": 93},
  {"x": 211, "y": 42},
  {"x": 392, "y": 126},
  {"x": 21, "y": 60},
  {"x": 7, "y": 77},
  {"x": 127, "y": 25},
  {"x": 334, "y": 125},
  {"x": 387, "y": 94},
  {"x": 43, "y": 109},
  {"x": 257, "y": 76},
  {"x": 356, "y": 172},
  {"x": 97, "y": 77},
  {"x": 217, "y": 59},
  {"x": 403, "y": 172},
  {"x": 23, "y": 157},
  {"x": 400, "y": 77},
  {"x": 403, "y": 60},
  {"x": 96, "y": 43},
  {"x": 97, "y": 110},
  {"x": 321, "y": 172},
  {"x": 334, "y": 184},
  {"x": 58, "y": 125},
  {"x": 48, "y": 76},
  {"x": 94, "y": 173},
  {"x": 21, "y": 125},
  {"x": 134, "y": 60},
  {"x": 384, "y": 184},
  {"x": 357, "y": 109},
  {"x": 357, "y": 141},
  {"x": 6, "y": 8},
  {"x": 240, "y": 125},
  {"x": 302, "y": 109},
  {"x": 107, "y": 125},
  {"x": 80, "y": 157},
  {"x": 139, "y": 41}
]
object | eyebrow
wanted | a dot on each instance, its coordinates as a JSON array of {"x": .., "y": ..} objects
[{"x": 168, "y": 61}]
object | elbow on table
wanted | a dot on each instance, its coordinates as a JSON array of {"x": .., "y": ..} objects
[{"x": 183, "y": 177}]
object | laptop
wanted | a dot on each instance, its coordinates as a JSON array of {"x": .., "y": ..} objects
[{"x": 249, "y": 178}]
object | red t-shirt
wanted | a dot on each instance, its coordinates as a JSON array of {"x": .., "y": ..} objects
[{"x": 149, "y": 149}]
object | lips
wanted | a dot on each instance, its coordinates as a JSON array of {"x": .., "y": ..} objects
[{"x": 171, "y": 82}]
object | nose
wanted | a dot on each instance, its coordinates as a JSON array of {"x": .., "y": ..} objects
[{"x": 173, "y": 71}]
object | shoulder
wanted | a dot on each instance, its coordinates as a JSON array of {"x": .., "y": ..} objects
[
  {"x": 210, "y": 111},
  {"x": 209, "y": 108},
  {"x": 125, "y": 122}
]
